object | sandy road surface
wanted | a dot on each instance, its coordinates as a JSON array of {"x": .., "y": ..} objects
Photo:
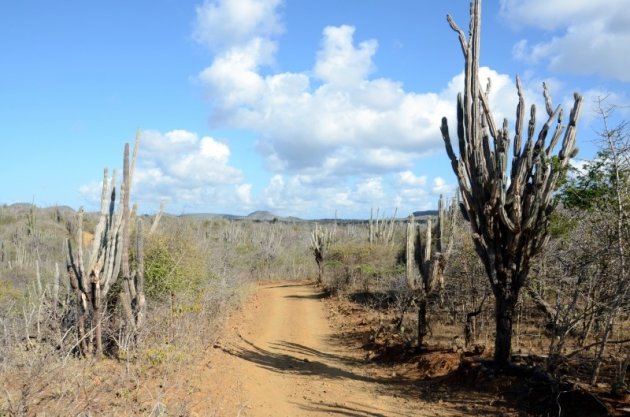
[{"x": 277, "y": 357}]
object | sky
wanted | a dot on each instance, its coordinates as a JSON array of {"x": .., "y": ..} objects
[{"x": 301, "y": 107}]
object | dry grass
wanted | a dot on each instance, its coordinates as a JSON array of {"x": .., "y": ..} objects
[{"x": 40, "y": 373}]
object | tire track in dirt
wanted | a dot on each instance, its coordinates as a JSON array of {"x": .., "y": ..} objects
[{"x": 277, "y": 357}]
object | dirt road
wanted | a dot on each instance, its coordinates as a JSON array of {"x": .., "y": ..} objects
[{"x": 278, "y": 357}]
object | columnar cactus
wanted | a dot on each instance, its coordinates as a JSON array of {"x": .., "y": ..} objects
[
  {"x": 92, "y": 281},
  {"x": 321, "y": 239},
  {"x": 381, "y": 230},
  {"x": 425, "y": 273},
  {"x": 508, "y": 217}
]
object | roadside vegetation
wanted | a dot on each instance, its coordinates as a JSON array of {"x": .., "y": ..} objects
[
  {"x": 196, "y": 271},
  {"x": 518, "y": 284}
]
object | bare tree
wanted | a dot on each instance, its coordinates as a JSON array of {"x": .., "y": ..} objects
[
  {"x": 616, "y": 143},
  {"x": 508, "y": 217}
]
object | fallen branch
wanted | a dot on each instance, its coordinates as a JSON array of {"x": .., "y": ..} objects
[{"x": 587, "y": 347}]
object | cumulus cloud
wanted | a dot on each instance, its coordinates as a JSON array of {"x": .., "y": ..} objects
[
  {"x": 370, "y": 189},
  {"x": 234, "y": 74},
  {"x": 440, "y": 186},
  {"x": 408, "y": 178},
  {"x": 352, "y": 197},
  {"x": 589, "y": 37},
  {"x": 334, "y": 135},
  {"x": 183, "y": 157},
  {"x": 333, "y": 117},
  {"x": 339, "y": 62},
  {"x": 225, "y": 23},
  {"x": 187, "y": 171}
]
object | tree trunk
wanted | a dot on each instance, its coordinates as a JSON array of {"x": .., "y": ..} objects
[
  {"x": 423, "y": 325},
  {"x": 471, "y": 321},
  {"x": 141, "y": 300},
  {"x": 98, "y": 318},
  {"x": 83, "y": 314},
  {"x": 602, "y": 347},
  {"x": 504, "y": 313},
  {"x": 320, "y": 270}
]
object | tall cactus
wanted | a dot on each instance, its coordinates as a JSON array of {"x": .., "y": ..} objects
[
  {"x": 426, "y": 261},
  {"x": 320, "y": 241},
  {"x": 508, "y": 217},
  {"x": 92, "y": 281},
  {"x": 381, "y": 230}
]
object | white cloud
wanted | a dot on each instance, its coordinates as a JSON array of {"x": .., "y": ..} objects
[
  {"x": 91, "y": 193},
  {"x": 339, "y": 62},
  {"x": 234, "y": 74},
  {"x": 440, "y": 186},
  {"x": 352, "y": 198},
  {"x": 182, "y": 157},
  {"x": 339, "y": 120},
  {"x": 228, "y": 22},
  {"x": 335, "y": 135},
  {"x": 407, "y": 178},
  {"x": 188, "y": 171},
  {"x": 590, "y": 37},
  {"x": 553, "y": 15},
  {"x": 590, "y": 101},
  {"x": 332, "y": 117},
  {"x": 348, "y": 123},
  {"x": 370, "y": 190},
  {"x": 244, "y": 194}
]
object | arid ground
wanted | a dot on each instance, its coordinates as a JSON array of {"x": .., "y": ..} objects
[{"x": 280, "y": 356}]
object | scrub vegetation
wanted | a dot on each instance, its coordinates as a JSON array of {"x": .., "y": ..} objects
[{"x": 516, "y": 286}]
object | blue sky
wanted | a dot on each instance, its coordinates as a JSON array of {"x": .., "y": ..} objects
[{"x": 300, "y": 107}]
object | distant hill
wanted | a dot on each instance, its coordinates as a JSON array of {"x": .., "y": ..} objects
[
  {"x": 261, "y": 215},
  {"x": 257, "y": 216},
  {"x": 21, "y": 206},
  {"x": 423, "y": 213},
  {"x": 210, "y": 216}
]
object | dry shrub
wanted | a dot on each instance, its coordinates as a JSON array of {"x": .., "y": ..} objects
[{"x": 360, "y": 266}]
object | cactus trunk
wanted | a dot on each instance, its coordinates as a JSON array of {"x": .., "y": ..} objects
[{"x": 508, "y": 217}]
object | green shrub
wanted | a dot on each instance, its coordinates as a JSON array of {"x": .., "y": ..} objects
[
  {"x": 173, "y": 265},
  {"x": 359, "y": 264},
  {"x": 8, "y": 292}
]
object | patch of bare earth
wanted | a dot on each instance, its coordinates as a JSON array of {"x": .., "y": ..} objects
[
  {"x": 430, "y": 378},
  {"x": 464, "y": 380},
  {"x": 282, "y": 355}
]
